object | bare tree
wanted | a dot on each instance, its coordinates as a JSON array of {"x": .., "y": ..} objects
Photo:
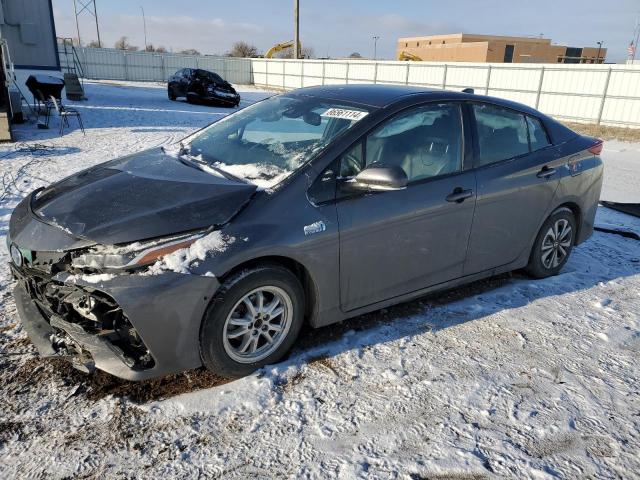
[
  {"x": 94, "y": 44},
  {"x": 151, "y": 48},
  {"x": 123, "y": 44},
  {"x": 190, "y": 51},
  {"x": 355, "y": 55},
  {"x": 243, "y": 49}
]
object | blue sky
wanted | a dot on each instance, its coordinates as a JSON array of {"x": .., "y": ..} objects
[{"x": 337, "y": 28}]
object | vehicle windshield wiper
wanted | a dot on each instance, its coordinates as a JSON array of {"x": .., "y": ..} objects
[
  {"x": 203, "y": 165},
  {"x": 226, "y": 174}
]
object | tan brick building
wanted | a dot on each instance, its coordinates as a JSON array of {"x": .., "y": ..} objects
[{"x": 463, "y": 47}]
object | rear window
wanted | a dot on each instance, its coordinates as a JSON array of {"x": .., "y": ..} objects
[{"x": 502, "y": 133}]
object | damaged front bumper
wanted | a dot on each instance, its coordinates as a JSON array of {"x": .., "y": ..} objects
[{"x": 132, "y": 326}]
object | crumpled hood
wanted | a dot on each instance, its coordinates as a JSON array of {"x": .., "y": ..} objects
[{"x": 145, "y": 195}]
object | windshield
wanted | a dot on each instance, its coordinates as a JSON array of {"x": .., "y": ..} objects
[{"x": 266, "y": 142}]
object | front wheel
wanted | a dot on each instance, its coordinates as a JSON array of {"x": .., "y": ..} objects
[
  {"x": 171, "y": 94},
  {"x": 553, "y": 244},
  {"x": 193, "y": 98},
  {"x": 253, "y": 321}
]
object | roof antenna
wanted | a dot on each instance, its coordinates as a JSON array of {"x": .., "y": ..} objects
[{"x": 468, "y": 90}]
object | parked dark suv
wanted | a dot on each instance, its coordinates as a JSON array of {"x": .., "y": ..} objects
[{"x": 201, "y": 86}]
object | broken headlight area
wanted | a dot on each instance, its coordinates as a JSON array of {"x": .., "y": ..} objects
[
  {"x": 82, "y": 315},
  {"x": 134, "y": 256}
]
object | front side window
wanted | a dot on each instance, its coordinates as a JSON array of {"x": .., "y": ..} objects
[
  {"x": 267, "y": 141},
  {"x": 502, "y": 133},
  {"x": 425, "y": 142}
]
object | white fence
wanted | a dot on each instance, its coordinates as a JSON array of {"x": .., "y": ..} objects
[
  {"x": 112, "y": 64},
  {"x": 607, "y": 94}
]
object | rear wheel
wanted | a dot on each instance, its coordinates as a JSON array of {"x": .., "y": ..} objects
[
  {"x": 553, "y": 244},
  {"x": 252, "y": 322}
]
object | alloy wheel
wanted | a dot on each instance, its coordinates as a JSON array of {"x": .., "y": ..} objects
[
  {"x": 257, "y": 324},
  {"x": 556, "y": 244}
]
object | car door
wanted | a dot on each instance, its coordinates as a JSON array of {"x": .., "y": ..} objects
[
  {"x": 517, "y": 180},
  {"x": 173, "y": 79},
  {"x": 396, "y": 242},
  {"x": 184, "y": 81}
]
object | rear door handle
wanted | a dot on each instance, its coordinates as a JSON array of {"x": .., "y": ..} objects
[
  {"x": 546, "y": 172},
  {"x": 459, "y": 195}
]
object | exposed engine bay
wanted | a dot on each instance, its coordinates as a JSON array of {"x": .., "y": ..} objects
[{"x": 75, "y": 312}]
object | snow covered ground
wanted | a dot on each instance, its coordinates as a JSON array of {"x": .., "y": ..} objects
[{"x": 506, "y": 377}]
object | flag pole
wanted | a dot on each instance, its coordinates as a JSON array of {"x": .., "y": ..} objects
[{"x": 635, "y": 45}]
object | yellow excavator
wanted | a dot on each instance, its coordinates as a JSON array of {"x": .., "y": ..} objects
[
  {"x": 403, "y": 56},
  {"x": 279, "y": 47}
]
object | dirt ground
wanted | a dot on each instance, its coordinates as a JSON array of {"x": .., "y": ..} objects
[{"x": 606, "y": 132}]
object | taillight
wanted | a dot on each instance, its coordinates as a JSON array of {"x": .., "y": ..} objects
[{"x": 596, "y": 149}]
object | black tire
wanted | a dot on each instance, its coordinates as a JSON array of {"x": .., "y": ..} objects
[
  {"x": 540, "y": 265},
  {"x": 171, "y": 94},
  {"x": 213, "y": 330},
  {"x": 193, "y": 98}
]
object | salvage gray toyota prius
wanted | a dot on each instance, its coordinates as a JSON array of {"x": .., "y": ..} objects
[{"x": 312, "y": 206}]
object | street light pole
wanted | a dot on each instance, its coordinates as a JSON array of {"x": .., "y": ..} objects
[
  {"x": 598, "y": 54},
  {"x": 144, "y": 23},
  {"x": 375, "y": 47}
]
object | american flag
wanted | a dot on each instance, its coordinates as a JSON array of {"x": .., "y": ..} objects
[{"x": 631, "y": 49}]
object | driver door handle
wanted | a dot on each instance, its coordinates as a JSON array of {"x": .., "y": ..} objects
[
  {"x": 546, "y": 172},
  {"x": 459, "y": 195}
]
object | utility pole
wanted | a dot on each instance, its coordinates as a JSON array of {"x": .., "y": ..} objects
[
  {"x": 375, "y": 46},
  {"x": 296, "y": 28},
  {"x": 89, "y": 6},
  {"x": 144, "y": 23}
]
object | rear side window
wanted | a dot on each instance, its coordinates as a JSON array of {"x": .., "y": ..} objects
[
  {"x": 502, "y": 133},
  {"x": 537, "y": 134}
]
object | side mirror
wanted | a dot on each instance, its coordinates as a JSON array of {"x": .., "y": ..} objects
[{"x": 379, "y": 178}]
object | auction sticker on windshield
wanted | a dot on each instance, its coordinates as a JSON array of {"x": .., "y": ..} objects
[{"x": 344, "y": 113}]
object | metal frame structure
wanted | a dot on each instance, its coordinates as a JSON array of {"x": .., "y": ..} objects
[{"x": 89, "y": 6}]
